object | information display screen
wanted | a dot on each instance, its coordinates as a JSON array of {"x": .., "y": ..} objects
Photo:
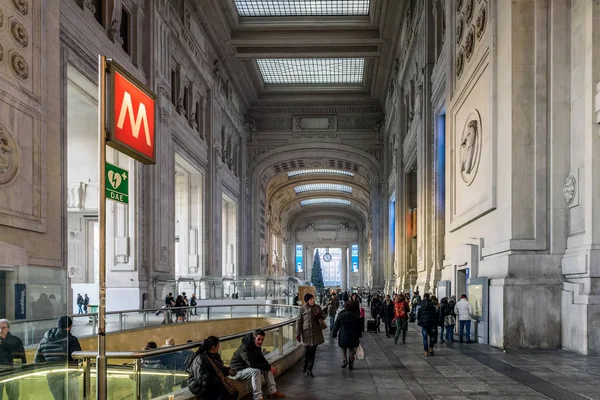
[
  {"x": 299, "y": 267},
  {"x": 354, "y": 258}
]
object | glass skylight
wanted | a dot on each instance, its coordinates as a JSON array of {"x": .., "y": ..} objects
[
  {"x": 305, "y": 8},
  {"x": 299, "y": 71},
  {"x": 324, "y": 200},
  {"x": 323, "y": 186},
  {"x": 318, "y": 171}
]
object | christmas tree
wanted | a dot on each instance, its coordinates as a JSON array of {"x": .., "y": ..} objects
[{"x": 316, "y": 275}]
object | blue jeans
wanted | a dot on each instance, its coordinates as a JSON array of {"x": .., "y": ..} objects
[
  {"x": 450, "y": 333},
  {"x": 428, "y": 333},
  {"x": 464, "y": 324},
  {"x": 442, "y": 333},
  {"x": 331, "y": 321},
  {"x": 80, "y": 311}
]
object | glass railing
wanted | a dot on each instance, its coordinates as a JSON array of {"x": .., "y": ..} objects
[
  {"x": 148, "y": 374},
  {"x": 32, "y": 331}
]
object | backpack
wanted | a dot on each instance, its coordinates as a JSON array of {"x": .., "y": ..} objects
[{"x": 400, "y": 312}]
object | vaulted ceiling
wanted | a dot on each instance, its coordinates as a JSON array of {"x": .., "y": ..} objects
[
  {"x": 299, "y": 51},
  {"x": 310, "y": 53}
]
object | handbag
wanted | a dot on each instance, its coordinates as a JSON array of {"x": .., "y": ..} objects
[
  {"x": 449, "y": 320},
  {"x": 393, "y": 324},
  {"x": 360, "y": 353},
  {"x": 322, "y": 324}
]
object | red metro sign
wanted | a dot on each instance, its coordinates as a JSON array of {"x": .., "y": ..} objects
[{"x": 131, "y": 127}]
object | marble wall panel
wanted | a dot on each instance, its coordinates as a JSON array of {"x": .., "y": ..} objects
[{"x": 471, "y": 177}]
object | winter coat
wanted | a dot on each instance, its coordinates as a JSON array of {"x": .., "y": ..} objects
[
  {"x": 375, "y": 307},
  {"x": 308, "y": 325},
  {"x": 463, "y": 310},
  {"x": 427, "y": 315},
  {"x": 387, "y": 312},
  {"x": 334, "y": 304},
  {"x": 350, "y": 329},
  {"x": 249, "y": 355},
  {"x": 57, "y": 346},
  {"x": 443, "y": 311},
  {"x": 11, "y": 347},
  {"x": 204, "y": 381}
]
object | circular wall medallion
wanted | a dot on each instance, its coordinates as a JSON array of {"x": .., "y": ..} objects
[
  {"x": 326, "y": 257},
  {"x": 470, "y": 147},
  {"x": 9, "y": 156}
]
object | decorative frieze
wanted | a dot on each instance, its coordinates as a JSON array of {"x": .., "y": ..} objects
[
  {"x": 19, "y": 66},
  {"x": 274, "y": 124},
  {"x": 1, "y": 18},
  {"x": 569, "y": 189},
  {"x": 9, "y": 156},
  {"x": 22, "y": 6},
  {"x": 481, "y": 21},
  {"x": 315, "y": 123},
  {"x": 19, "y": 33}
]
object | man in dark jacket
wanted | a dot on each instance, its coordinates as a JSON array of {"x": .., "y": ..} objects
[
  {"x": 250, "y": 363},
  {"x": 11, "y": 348},
  {"x": 376, "y": 310},
  {"x": 57, "y": 346},
  {"x": 427, "y": 319}
]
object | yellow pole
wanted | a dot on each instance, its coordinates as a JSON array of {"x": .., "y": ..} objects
[{"x": 101, "y": 384}]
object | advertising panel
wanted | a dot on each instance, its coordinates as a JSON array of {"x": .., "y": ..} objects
[
  {"x": 20, "y": 301},
  {"x": 354, "y": 258},
  {"x": 299, "y": 267}
]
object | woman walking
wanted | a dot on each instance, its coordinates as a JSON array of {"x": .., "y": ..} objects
[
  {"x": 348, "y": 326},
  {"x": 310, "y": 331},
  {"x": 387, "y": 312},
  {"x": 208, "y": 373},
  {"x": 401, "y": 311}
]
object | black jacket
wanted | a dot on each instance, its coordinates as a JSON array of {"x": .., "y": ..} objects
[
  {"x": 387, "y": 312},
  {"x": 427, "y": 314},
  {"x": 203, "y": 380},
  {"x": 11, "y": 347},
  {"x": 349, "y": 327},
  {"x": 248, "y": 355},
  {"x": 57, "y": 345},
  {"x": 375, "y": 307},
  {"x": 443, "y": 311}
]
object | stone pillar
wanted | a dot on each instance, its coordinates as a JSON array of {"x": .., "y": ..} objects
[{"x": 344, "y": 267}]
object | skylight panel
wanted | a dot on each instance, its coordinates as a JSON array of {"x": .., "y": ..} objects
[
  {"x": 323, "y": 200},
  {"x": 323, "y": 186},
  {"x": 302, "y": 71},
  {"x": 302, "y": 8},
  {"x": 318, "y": 171}
]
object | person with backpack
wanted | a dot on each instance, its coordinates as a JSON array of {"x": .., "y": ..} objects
[
  {"x": 427, "y": 319},
  {"x": 376, "y": 306},
  {"x": 401, "y": 310},
  {"x": 207, "y": 373}
]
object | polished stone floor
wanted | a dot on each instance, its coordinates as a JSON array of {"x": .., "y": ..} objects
[{"x": 457, "y": 371}]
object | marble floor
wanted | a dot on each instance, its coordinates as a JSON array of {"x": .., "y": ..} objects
[{"x": 457, "y": 371}]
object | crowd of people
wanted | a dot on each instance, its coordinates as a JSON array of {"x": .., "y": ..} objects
[
  {"x": 179, "y": 314},
  {"x": 209, "y": 378}
]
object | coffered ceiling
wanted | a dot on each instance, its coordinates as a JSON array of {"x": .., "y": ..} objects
[{"x": 300, "y": 51}]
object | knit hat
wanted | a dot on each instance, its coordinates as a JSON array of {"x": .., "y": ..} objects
[{"x": 307, "y": 297}]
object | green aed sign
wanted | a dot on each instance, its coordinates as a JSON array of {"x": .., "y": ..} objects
[{"x": 117, "y": 184}]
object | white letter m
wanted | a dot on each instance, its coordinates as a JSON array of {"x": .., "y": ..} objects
[{"x": 127, "y": 108}]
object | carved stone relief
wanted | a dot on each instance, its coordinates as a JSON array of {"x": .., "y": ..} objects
[
  {"x": 470, "y": 147},
  {"x": 1, "y": 52},
  {"x": 469, "y": 11},
  {"x": 19, "y": 33},
  {"x": 9, "y": 156},
  {"x": 459, "y": 64},
  {"x": 19, "y": 66},
  {"x": 469, "y": 44},
  {"x": 22, "y": 6},
  {"x": 1, "y": 18},
  {"x": 481, "y": 21},
  {"x": 459, "y": 30},
  {"x": 569, "y": 189},
  {"x": 459, "y": 4}
]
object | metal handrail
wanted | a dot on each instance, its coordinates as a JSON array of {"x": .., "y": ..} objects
[
  {"x": 176, "y": 348},
  {"x": 142, "y": 310}
]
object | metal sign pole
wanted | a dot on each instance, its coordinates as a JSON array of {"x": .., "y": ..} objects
[{"x": 101, "y": 359}]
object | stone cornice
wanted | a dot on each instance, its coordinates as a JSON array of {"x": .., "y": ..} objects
[{"x": 315, "y": 110}]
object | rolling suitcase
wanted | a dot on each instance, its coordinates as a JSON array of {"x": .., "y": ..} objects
[
  {"x": 392, "y": 329},
  {"x": 362, "y": 324},
  {"x": 371, "y": 325}
]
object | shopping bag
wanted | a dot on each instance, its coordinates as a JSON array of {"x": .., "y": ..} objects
[
  {"x": 360, "y": 353},
  {"x": 322, "y": 324}
]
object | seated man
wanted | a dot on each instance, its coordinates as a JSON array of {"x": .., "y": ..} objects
[{"x": 250, "y": 363}]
